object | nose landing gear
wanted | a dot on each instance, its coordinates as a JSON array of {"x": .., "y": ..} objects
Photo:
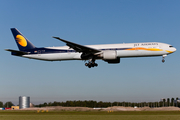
[{"x": 163, "y": 58}]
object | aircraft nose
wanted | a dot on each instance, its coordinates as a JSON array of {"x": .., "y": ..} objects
[{"x": 174, "y": 49}]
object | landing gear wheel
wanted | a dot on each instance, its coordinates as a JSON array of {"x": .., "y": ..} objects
[
  {"x": 91, "y": 63},
  {"x": 163, "y": 60},
  {"x": 86, "y": 64},
  {"x": 96, "y": 64}
]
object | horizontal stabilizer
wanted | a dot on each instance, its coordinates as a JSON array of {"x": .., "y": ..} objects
[{"x": 16, "y": 52}]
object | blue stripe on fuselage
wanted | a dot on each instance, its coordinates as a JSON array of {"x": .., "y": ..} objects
[{"x": 50, "y": 51}]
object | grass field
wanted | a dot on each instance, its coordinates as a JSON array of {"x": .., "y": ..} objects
[{"x": 90, "y": 115}]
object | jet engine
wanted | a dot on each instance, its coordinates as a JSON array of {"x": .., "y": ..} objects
[{"x": 110, "y": 56}]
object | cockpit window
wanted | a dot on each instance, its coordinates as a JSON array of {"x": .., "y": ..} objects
[{"x": 170, "y": 46}]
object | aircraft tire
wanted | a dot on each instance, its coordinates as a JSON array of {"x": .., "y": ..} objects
[{"x": 86, "y": 64}]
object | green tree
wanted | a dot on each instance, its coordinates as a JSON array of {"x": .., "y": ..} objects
[
  {"x": 50, "y": 104},
  {"x": 100, "y": 104},
  {"x": 8, "y": 104},
  {"x": 177, "y": 102},
  {"x": 172, "y": 101},
  {"x": 1, "y": 104},
  {"x": 164, "y": 102},
  {"x": 168, "y": 102},
  {"x": 45, "y": 104}
]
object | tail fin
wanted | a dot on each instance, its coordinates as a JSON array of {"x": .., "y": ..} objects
[{"x": 22, "y": 42}]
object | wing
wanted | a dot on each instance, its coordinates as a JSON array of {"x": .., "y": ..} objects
[{"x": 79, "y": 48}]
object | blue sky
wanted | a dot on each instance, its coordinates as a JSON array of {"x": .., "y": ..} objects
[{"x": 90, "y": 22}]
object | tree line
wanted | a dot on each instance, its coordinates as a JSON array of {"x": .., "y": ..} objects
[
  {"x": 94, "y": 104},
  {"x": 6, "y": 105}
]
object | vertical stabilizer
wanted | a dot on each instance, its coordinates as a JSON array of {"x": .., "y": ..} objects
[{"x": 22, "y": 42}]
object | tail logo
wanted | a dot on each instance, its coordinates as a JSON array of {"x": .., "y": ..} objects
[{"x": 21, "y": 40}]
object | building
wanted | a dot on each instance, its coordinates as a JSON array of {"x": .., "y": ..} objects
[
  {"x": 24, "y": 102},
  {"x": 15, "y": 107}
]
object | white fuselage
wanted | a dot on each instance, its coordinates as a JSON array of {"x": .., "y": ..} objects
[{"x": 122, "y": 50}]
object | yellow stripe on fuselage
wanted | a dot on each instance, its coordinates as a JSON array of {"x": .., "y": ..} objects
[
  {"x": 148, "y": 49},
  {"x": 169, "y": 51}
]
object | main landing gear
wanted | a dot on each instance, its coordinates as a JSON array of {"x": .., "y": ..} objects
[
  {"x": 91, "y": 63},
  {"x": 163, "y": 58}
]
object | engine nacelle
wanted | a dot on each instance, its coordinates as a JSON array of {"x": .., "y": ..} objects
[
  {"x": 109, "y": 55},
  {"x": 113, "y": 61}
]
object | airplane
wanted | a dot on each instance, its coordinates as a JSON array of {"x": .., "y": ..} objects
[{"x": 110, "y": 53}]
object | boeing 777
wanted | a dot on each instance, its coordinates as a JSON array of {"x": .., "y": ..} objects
[{"x": 110, "y": 53}]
